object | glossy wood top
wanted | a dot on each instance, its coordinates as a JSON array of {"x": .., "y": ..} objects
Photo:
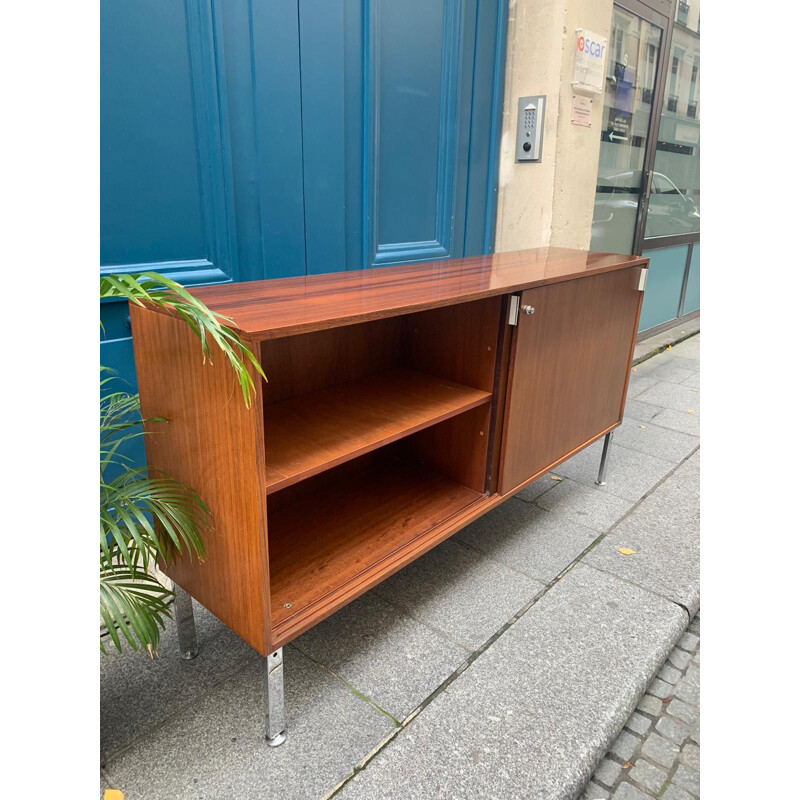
[{"x": 283, "y": 306}]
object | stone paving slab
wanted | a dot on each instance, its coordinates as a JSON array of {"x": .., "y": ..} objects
[
  {"x": 651, "y": 439},
  {"x": 689, "y": 348},
  {"x": 678, "y": 421},
  {"x": 630, "y": 474},
  {"x": 528, "y": 538},
  {"x": 638, "y": 384},
  {"x": 382, "y": 653},
  {"x": 692, "y": 364},
  {"x": 664, "y": 530},
  {"x": 672, "y": 395},
  {"x": 672, "y": 372},
  {"x": 534, "y": 713},
  {"x": 644, "y": 412},
  {"x": 139, "y": 693},
  {"x": 587, "y": 505},
  {"x": 216, "y": 748},
  {"x": 693, "y": 381},
  {"x": 459, "y": 592},
  {"x": 538, "y": 488}
]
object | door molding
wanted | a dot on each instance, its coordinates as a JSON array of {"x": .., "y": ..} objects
[
  {"x": 212, "y": 142},
  {"x": 441, "y": 246}
]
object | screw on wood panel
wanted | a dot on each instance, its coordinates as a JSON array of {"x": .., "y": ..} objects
[
  {"x": 287, "y": 605},
  {"x": 481, "y": 433}
]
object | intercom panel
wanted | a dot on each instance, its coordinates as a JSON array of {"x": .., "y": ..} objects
[{"x": 530, "y": 127}]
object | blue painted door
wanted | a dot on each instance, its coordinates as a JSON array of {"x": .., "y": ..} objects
[{"x": 243, "y": 140}]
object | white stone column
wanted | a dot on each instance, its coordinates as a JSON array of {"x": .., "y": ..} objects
[{"x": 551, "y": 202}]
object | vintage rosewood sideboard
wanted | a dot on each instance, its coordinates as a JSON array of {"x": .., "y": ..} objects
[{"x": 401, "y": 404}]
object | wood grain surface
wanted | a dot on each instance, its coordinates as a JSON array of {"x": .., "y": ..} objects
[
  {"x": 327, "y": 541},
  {"x": 399, "y": 403},
  {"x": 283, "y": 306},
  {"x": 308, "y": 434},
  {"x": 569, "y": 369},
  {"x": 214, "y": 444}
]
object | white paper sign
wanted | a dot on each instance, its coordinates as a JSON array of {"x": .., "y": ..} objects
[
  {"x": 590, "y": 61},
  {"x": 581, "y": 110}
]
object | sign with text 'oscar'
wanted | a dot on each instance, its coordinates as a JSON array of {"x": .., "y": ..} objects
[{"x": 590, "y": 61}]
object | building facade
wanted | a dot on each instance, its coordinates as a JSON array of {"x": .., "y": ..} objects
[
  {"x": 243, "y": 140},
  {"x": 628, "y": 182}
]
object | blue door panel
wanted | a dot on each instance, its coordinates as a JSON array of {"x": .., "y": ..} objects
[
  {"x": 166, "y": 197},
  {"x": 150, "y": 187},
  {"x": 413, "y": 95},
  {"x": 279, "y": 137},
  {"x": 486, "y": 109},
  {"x": 411, "y": 102},
  {"x": 322, "y": 73},
  {"x": 117, "y": 354},
  {"x": 392, "y": 155},
  {"x": 243, "y": 140}
]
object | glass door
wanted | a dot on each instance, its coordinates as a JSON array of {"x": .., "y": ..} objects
[
  {"x": 629, "y": 117},
  {"x": 671, "y": 219}
]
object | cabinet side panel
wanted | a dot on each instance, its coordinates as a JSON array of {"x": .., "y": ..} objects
[
  {"x": 570, "y": 369},
  {"x": 214, "y": 444}
]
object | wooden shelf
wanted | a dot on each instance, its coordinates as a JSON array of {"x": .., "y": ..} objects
[
  {"x": 338, "y": 536},
  {"x": 308, "y": 434}
]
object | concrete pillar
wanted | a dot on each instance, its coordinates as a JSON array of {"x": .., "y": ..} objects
[{"x": 550, "y": 202}]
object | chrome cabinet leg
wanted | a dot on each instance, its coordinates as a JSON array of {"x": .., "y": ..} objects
[
  {"x": 601, "y": 475},
  {"x": 184, "y": 617},
  {"x": 276, "y": 719}
]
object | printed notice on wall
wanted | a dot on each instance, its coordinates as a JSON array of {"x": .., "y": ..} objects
[
  {"x": 581, "y": 110},
  {"x": 590, "y": 61}
]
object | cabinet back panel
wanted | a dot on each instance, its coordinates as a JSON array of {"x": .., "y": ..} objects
[
  {"x": 455, "y": 342},
  {"x": 456, "y": 448},
  {"x": 298, "y": 365}
]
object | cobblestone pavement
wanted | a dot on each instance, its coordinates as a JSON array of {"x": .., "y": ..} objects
[{"x": 658, "y": 752}]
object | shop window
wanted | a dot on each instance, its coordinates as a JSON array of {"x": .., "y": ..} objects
[{"x": 674, "y": 207}]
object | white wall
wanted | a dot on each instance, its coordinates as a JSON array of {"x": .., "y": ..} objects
[{"x": 548, "y": 202}]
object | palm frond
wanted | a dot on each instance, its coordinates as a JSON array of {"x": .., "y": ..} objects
[
  {"x": 132, "y": 502},
  {"x": 132, "y": 604},
  {"x": 146, "y": 515},
  {"x": 156, "y": 289}
]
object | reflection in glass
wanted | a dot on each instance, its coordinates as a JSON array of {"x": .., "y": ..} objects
[
  {"x": 630, "y": 82},
  {"x": 674, "y": 206}
]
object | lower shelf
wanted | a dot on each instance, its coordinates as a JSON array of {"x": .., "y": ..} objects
[{"x": 325, "y": 541}]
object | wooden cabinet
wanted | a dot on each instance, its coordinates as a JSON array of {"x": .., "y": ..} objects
[
  {"x": 570, "y": 357},
  {"x": 401, "y": 404}
]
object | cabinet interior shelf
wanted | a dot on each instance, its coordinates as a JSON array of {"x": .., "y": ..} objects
[
  {"x": 313, "y": 432},
  {"x": 327, "y": 542}
]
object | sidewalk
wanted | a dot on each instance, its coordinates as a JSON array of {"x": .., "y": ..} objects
[
  {"x": 657, "y": 755},
  {"x": 503, "y": 663}
]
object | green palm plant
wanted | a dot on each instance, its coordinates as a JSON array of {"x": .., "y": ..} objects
[{"x": 145, "y": 515}]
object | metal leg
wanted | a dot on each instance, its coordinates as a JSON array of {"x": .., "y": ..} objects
[
  {"x": 276, "y": 720},
  {"x": 184, "y": 617},
  {"x": 601, "y": 475}
]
